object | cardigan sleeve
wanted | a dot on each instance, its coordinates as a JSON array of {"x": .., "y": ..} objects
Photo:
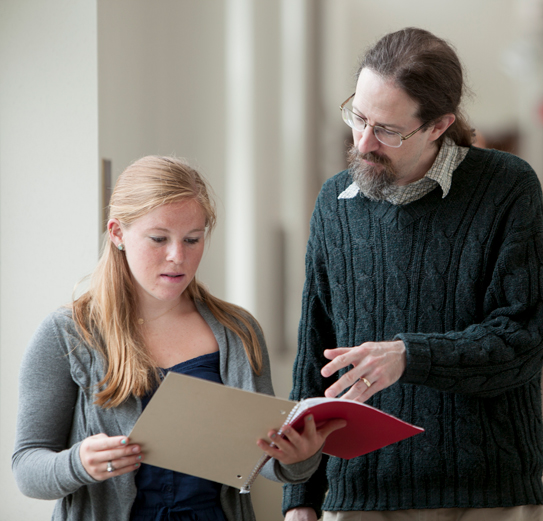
[
  {"x": 504, "y": 348},
  {"x": 43, "y": 464}
]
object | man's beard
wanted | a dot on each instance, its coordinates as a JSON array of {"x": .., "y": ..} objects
[{"x": 375, "y": 182}]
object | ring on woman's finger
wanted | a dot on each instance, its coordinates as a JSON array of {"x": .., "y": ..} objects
[{"x": 110, "y": 467}]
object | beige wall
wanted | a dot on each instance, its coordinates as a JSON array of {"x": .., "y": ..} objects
[{"x": 161, "y": 91}]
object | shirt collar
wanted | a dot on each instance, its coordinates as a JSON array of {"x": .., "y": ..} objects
[{"x": 450, "y": 155}]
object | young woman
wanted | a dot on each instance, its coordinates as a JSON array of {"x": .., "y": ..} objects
[{"x": 91, "y": 368}]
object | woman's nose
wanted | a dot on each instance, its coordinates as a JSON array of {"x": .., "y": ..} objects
[{"x": 176, "y": 253}]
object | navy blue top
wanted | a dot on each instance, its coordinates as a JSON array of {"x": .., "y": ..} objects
[{"x": 168, "y": 495}]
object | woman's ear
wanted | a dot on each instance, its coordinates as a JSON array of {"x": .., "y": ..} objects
[
  {"x": 441, "y": 125},
  {"x": 115, "y": 232}
]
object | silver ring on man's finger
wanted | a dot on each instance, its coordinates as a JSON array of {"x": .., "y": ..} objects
[
  {"x": 366, "y": 381},
  {"x": 110, "y": 467}
]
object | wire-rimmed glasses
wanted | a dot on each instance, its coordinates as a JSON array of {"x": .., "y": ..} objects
[{"x": 387, "y": 137}]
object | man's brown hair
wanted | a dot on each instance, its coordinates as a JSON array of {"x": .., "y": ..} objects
[{"x": 429, "y": 71}]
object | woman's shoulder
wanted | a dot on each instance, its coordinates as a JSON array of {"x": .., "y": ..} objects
[
  {"x": 240, "y": 315},
  {"x": 58, "y": 331},
  {"x": 59, "y": 320},
  {"x": 234, "y": 356},
  {"x": 59, "y": 345}
]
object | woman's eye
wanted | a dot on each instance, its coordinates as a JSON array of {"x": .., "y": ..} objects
[
  {"x": 158, "y": 239},
  {"x": 194, "y": 240}
]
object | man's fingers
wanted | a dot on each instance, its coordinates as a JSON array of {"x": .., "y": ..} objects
[
  {"x": 349, "y": 379},
  {"x": 341, "y": 357},
  {"x": 372, "y": 361},
  {"x": 360, "y": 392},
  {"x": 333, "y": 353}
]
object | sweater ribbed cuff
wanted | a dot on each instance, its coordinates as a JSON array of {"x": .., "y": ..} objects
[{"x": 418, "y": 358}]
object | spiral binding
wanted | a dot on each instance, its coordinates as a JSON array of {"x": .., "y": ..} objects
[{"x": 246, "y": 488}]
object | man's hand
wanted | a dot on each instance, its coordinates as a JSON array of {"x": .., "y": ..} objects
[
  {"x": 377, "y": 365},
  {"x": 301, "y": 514}
]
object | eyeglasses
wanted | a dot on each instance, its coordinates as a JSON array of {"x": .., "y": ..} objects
[{"x": 383, "y": 135}]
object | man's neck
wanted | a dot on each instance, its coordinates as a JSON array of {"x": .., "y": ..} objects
[{"x": 426, "y": 162}]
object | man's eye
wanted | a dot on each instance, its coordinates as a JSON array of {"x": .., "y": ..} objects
[
  {"x": 360, "y": 119},
  {"x": 385, "y": 132}
]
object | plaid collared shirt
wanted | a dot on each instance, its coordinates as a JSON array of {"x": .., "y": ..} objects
[{"x": 449, "y": 157}]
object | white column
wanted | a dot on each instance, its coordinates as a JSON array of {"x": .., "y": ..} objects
[
  {"x": 298, "y": 100},
  {"x": 239, "y": 172},
  {"x": 49, "y": 213}
]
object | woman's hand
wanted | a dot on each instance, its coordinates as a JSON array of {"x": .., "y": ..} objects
[
  {"x": 295, "y": 446},
  {"x": 100, "y": 452}
]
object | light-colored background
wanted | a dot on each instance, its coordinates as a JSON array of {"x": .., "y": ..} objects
[{"x": 246, "y": 90}]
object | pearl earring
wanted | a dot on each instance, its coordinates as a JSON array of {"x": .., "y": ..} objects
[{"x": 121, "y": 247}]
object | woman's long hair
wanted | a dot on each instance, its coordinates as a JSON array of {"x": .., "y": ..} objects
[{"x": 106, "y": 314}]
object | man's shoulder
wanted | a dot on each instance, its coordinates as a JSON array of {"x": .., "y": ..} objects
[
  {"x": 498, "y": 179},
  {"x": 497, "y": 161},
  {"x": 501, "y": 172},
  {"x": 335, "y": 185}
]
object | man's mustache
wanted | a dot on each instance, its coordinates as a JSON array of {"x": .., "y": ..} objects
[{"x": 356, "y": 155}]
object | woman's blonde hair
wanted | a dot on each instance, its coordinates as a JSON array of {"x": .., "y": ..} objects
[{"x": 106, "y": 314}]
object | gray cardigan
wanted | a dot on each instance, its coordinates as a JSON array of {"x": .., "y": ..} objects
[{"x": 57, "y": 382}]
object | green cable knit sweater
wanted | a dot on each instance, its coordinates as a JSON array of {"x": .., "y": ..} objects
[{"x": 460, "y": 281}]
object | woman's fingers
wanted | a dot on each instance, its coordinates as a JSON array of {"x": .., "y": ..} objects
[
  {"x": 107, "y": 456},
  {"x": 330, "y": 426},
  {"x": 282, "y": 446},
  {"x": 122, "y": 465},
  {"x": 293, "y": 446}
]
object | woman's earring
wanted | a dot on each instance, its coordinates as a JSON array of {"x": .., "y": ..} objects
[{"x": 121, "y": 247}]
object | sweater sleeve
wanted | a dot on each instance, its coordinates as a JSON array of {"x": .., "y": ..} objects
[
  {"x": 503, "y": 349},
  {"x": 45, "y": 467},
  {"x": 316, "y": 333}
]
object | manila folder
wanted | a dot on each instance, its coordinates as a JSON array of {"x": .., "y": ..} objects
[{"x": 207, "y": 429}]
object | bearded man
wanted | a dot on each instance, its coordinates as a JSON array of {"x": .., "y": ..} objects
[{"x": 424, "y": 298}]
